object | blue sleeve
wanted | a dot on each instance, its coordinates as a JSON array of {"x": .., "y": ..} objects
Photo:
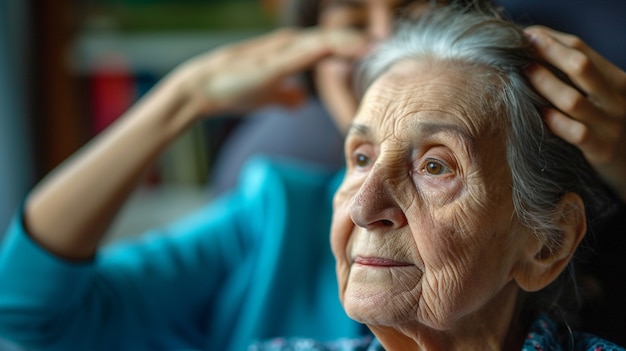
[
  {"x": 133, "y": 295},
  {"x": 25, "y": 294},
  {"x": 254, "y": 264}
]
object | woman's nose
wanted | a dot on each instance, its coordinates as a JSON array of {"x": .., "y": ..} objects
[{"x": 375, "y": 205}]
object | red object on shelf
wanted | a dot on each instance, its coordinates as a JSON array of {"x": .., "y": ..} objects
[{"x": 112, "y": 92}]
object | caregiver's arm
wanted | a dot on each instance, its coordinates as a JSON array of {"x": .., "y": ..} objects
[
  {"x": 594, "y": 119},
  {"x": 70, "y": 210}
]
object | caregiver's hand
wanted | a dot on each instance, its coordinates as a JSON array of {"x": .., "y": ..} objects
[
  {"x": 594, "y": 118},
  {"x": 255, "y": 72}
]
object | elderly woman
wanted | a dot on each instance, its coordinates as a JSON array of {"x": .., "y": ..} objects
[
  {"x": 438, "y": 242},
  {"x": 459, "y": 208}
]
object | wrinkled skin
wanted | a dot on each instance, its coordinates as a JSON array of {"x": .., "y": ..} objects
[{"x": 427, "y": 244}]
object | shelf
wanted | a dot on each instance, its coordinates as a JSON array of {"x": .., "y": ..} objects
[{"x": 155, "y": 52}]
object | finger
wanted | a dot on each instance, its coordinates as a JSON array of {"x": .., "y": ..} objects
[
  {"x": 285, "y": 53},
  {"x": 300, "y": 53},
  {"x": 260, "y": 47},
  {"x": 314, "y": 44},
  {"x": 561, "y": 95},
  {"x": 584, "y": 66},
  {"x": 571, "y": 41},
  {"x": 604, "y": 154},
  {"x": 250, "y": 68},
  {"x": 266, "y": 42},
  {"x": 575, "y": 133}
]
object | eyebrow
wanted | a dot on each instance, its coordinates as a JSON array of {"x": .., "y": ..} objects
[{"x": 434, "y": 128}]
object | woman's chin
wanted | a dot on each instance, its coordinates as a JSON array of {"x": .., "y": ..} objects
[{"x": 377, "y": 305}]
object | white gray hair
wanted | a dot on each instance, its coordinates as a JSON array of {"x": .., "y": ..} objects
[{"x": 543, "y": 167}]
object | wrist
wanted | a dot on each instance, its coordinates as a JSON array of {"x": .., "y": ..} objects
[{"x": 170, "y": 106}]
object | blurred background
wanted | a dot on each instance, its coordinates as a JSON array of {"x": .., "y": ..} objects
[{"x": 70, "y": 68}]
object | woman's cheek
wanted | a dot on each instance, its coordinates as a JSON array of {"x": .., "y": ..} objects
[
  {"x": 439, "y": 191},
  {"x": 342, "y": 225},
  {"x": 341, "y": 231}
]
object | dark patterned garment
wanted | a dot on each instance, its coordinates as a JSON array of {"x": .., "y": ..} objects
[{"x": 543, "y": 335}]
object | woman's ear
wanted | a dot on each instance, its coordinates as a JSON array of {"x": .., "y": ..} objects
[{"x": 542, "y": 263}]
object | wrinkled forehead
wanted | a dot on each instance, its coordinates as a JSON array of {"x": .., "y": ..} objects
[{"x": 415, "y": 91}]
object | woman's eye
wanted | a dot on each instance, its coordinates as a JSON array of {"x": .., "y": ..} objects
[
  {"x": 436, "y": 168},
  {"x": 362, "y": 161}
]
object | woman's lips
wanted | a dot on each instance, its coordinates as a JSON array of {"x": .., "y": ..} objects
[{"x": 379, "y": 262}]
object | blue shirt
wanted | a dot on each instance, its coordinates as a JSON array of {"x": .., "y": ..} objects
[{"x": 254, "y": 264}]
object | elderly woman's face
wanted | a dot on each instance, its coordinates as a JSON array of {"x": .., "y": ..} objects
[{"x": 424, "y": 229}]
